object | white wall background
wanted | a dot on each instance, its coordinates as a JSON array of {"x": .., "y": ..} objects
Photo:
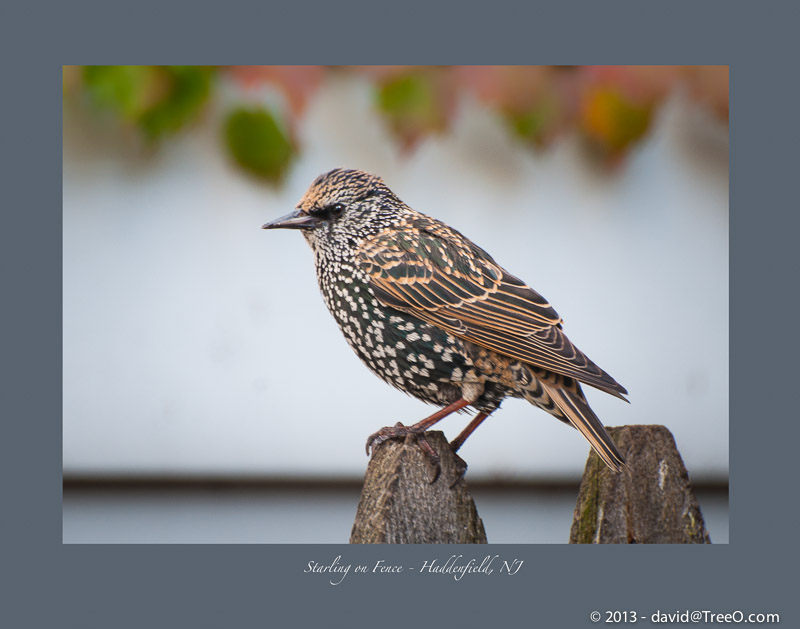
[{"x": 196, "y": 343}]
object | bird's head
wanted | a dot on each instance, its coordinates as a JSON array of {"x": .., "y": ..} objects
[{"x": 342, "y": 206}]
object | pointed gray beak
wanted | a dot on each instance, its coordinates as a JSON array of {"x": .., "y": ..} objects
[{"x": 293, "y": 220}]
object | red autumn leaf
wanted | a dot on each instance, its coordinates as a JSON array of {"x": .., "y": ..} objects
[
  {"x": 709, "y": 85},
  {"x": 298, "y": 83}
]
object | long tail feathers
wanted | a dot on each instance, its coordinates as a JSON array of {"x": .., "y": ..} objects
[{"x": 583, "y": 418}]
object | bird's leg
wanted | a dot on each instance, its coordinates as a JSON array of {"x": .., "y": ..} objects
[
  {"x": 399, "y": 430},
  {"x": 456, "y": 443}
]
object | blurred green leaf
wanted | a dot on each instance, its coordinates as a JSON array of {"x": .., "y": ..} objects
[
  {"x": 258, "y": 144},
  {"x": 412, "y": 105},
  {"x": 120, "y": 88},
  {"x": 189, "y": 88},
  {"x": 158, "y": 99},
  {"x": 538, "y": 124},
  {"x": 409, "y": 95}
]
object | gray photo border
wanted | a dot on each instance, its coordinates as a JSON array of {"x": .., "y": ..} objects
[{"x": 48, "y": 584}]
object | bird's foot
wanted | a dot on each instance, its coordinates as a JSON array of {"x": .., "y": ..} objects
[
  {"x": 400, "y": 430},
  {"x": 386, "y": 433}
]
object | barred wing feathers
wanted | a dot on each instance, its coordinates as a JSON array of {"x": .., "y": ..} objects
[{"x": 431, "y": 271}]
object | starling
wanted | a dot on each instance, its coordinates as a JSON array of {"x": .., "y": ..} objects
[{"x": 434, "y": 315}]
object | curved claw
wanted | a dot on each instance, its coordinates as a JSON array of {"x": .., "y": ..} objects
[
  {"x": 461, "y": 468},
  {"x": 433, "y": 456}
]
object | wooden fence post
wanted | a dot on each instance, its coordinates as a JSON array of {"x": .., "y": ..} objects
[
  {"x": 399, "y": 504},
  {"x": 649, "y": 502}
]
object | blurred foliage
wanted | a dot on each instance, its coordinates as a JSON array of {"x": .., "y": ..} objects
[
  {"x": 296, "y": 83},
  {"x": 157, "y": 99},
  {"x": 611, "y": 122},
  {"x": 610, "y": 107},
  {"x": 534, "y": 101},
  {"x": 415, "y": 104},
  {"x": 258, "y": 144}
]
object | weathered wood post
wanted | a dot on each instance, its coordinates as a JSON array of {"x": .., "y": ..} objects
[
  {"x": 399, "y": 504},
  {"x": 650, "y": 502}
]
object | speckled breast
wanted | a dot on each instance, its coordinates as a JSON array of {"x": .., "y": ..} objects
[{"x": 406, "y": 352}]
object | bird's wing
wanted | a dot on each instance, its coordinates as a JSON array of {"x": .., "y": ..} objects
[{"x": 431, "y": 271}]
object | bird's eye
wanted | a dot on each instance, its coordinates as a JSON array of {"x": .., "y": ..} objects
[{"x": 334, "y": 210}]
